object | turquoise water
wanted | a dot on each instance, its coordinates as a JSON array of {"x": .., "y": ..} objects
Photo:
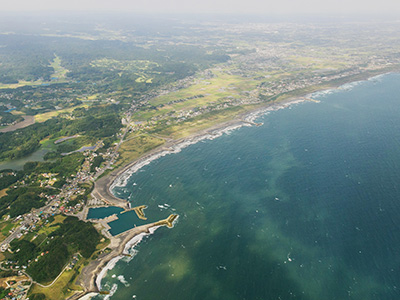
[
  {"x": 306, "y": 206},
  {"x": 102, "y": 212},
  {"x": 124, "y": 222}
]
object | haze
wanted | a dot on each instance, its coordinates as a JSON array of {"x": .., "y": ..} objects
[{"x": 212, "y": 6}]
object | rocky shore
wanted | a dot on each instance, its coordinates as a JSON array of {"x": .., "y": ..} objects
[{"x": 119, "y": 246}]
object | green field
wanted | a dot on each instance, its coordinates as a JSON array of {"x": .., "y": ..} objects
[
  {"x": 202, "y": 93},
  {"x": 49, "y": 228},
  {"x": 220, "y": 86},
  {"x": 130, "y": 65},
  {"x": 59, "y": 71},
  {"x": 64, "y": 285},
  {"x": 316, "y": 63},
  {"x": 20, "y": 84},
  {"x": 5, "y": 227},
  {"x": 48, "y": 115},
  {"x": 141, "y": 68},
  {"x": 135, "y": 146},
  {"x": 3, "y": 192},
  {"x": 58, "y": 75},
  {"x": 205, "y": 121}
]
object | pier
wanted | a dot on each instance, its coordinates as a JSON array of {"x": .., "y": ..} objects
[{"x": 139, "y": 210}]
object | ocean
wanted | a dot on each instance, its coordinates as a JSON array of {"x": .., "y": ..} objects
[{"x": 306, "y": 206}]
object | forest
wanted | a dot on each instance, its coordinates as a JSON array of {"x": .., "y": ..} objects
[
  {"x": 94, "y": 123},
  {"x": 29, "y": 57},
  {"x": 70, "y": 237},
  {"x": 24, "y": 197}
]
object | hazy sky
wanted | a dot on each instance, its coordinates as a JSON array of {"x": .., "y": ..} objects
[{"x": 210, "y": 6}]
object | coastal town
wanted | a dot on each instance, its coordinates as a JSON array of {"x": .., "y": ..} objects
[
  {"x": 35, "y": 221},
  {"x": 67, "y": 139}
]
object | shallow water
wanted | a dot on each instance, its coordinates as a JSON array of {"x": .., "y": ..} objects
[
  {"x": 102, "y": 212},
  {"x": 304, "y": 207}
]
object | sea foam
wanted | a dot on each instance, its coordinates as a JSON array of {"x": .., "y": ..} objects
[
  {"x": 112, "y": 291},
  {"x": 122, "y": 279},
  {"x": 128, "y": 250},
  {"x": 123, "y": 178}
]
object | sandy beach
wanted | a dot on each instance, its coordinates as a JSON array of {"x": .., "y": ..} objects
[
  {"x": 90, "y": 278},
  {"x": 104, "y": 185},
  {"x": 91, "y": 275}
]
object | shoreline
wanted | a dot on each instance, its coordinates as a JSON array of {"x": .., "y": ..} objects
[
  {"x": 91, "y": 276},
  {"x": 120, "y": 246},
  {"x": 94, "y": 272},
  {"x": 104, "y": 185}
]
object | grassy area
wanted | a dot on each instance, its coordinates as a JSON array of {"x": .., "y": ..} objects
[
  {"x": 130, "y": 65},
  {"x": 88, "y": 98},
  {"x": 200, "y": 94},
  {"x": 20, "y": 84},
  {"x": 63, "y": 287},
  {"x": 137, "y": 145},
  {"x": 5, "y": 227},
  {"x": 68, "y": 145},
  {"x": 38, "y": 239},
  {"x": 3, "y": 192},
  {"x": 141, "y": 68},
  {"x": 17, "y": 113},
  {"x": 49, "y": 144},
  {"x": 143, "y": 78},
  {"x": 57, "y": 77},
  {"x": 104, "y": 242},
  {"x": 49, "y": 228},
  {"x": 74, "y": 144},
  {"x": 220, "y": 86},
  {"x": 205, "y": 121},
  {"x": 59, "y": 71},
  {"x": 58, "y": 219},
  {"x": 316, "y": 63},
  {"x": 48, "y": 115}
]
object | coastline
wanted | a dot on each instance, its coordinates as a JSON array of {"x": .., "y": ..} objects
[
  {"x": 91, "y": 275},
  {"x": 104, "y": 185}
]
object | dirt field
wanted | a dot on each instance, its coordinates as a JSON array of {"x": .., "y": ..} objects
[{"x": 28, "y": 120}]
